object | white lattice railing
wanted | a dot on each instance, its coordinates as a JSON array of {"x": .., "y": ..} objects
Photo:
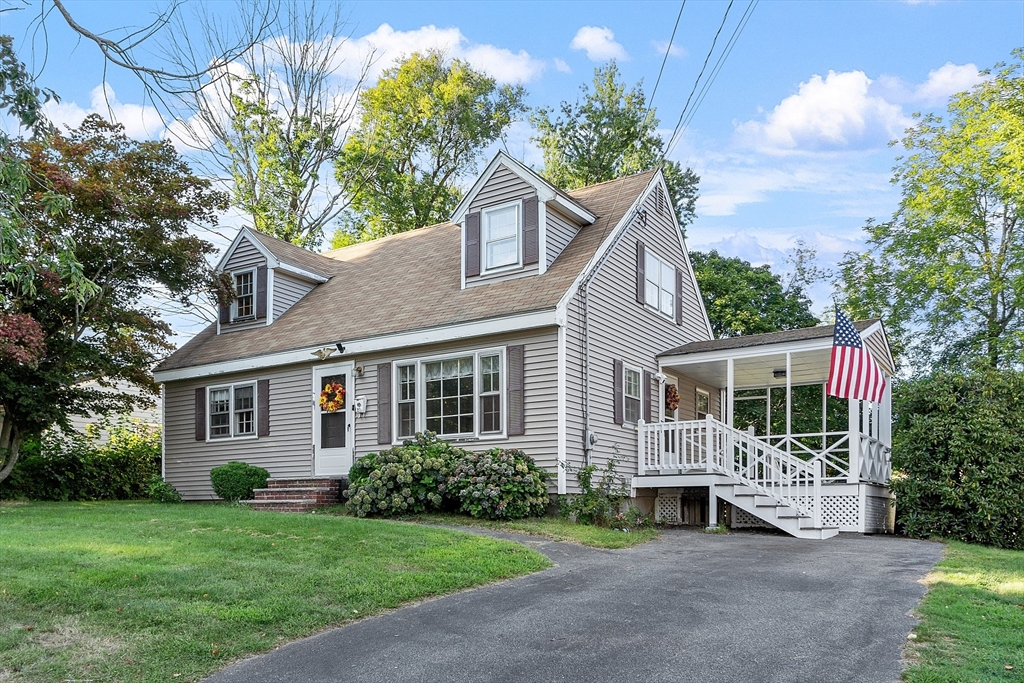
[
  {"x": 715, "y": 447},
  {"x": 875, "y": 460},
  {"x": 831, "y": 448}
]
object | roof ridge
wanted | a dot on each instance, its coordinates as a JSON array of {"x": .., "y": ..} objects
[{"x": 613, "y": 180}]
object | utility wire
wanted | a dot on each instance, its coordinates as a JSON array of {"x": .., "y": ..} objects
[
  {"x": 668, "y": 50},
  {"x": 733, "y": 39},
  {"x": 679, "y": 123}
]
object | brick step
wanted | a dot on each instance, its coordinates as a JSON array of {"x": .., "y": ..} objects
[
  {"x": 323, "y": 496},
  {"x": 302, "y": 483},
  {"x": 284, "y": 505},
  {"x": 295, "y": 489}
]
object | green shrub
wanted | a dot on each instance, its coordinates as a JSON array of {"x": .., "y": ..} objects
[
  {"x": 161, "y": 491},
  {"x": 599, "y": 503},
  {"x": 236, "y": 480},
  {"x": 503, "y": 483},
  {"x": 75, "y": 466},
  {"x": 630, "y": 519},
  {"x": 958, "y": 457},
  {"x": 407, "y": 479}
]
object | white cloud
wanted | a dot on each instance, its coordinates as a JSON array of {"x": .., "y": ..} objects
[
  {"x": 834, "y": 112},
  {"x": 561, "y": 65},
  {"x": 141, "y": 122},
  {"x": 945, "y": 81},
  {"x": 599, "y": 44},
  {"x": 386, "y": 45},
  {"x": 675, "y": 51}
]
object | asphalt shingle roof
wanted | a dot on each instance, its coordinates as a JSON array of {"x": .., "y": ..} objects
[
  {"x": 748, "y": 340},
  {"x": 408, "y": 282}
]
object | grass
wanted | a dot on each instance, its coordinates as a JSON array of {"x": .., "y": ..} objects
[
  {"x": 972, "y": 619},
  {"x": 148, "y": 592},
  {"x": 555, "y": 528}
]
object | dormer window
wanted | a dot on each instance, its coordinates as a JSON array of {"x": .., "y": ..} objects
[
  {"x": 245, "y": 292},
  {"x": 501, "y": 236}
]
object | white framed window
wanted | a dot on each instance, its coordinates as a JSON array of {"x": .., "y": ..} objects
[
  {"x": 244, "y": 305},
  {"x": 501, "y": 230},
  {"x": 632, "y": 405},
  {"x": 455, "y": 396},
  {"x": 703, "y": 403},
  {"x": 659, "y": 285},
  {"x": 231, "y": 411}
]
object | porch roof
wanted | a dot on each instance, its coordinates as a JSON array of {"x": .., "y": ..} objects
[{"x": 758, "y": 357}]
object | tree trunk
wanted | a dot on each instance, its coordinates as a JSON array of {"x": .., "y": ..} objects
[{"x": 10, "y": 445}]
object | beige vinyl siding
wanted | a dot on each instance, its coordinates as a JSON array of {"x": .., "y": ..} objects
[
  {"x": 560, "y": 231},
  {"x": 286, "y": 452},
  {"x": 245, "y": 256},
  {"x": 502, "y": 187},
  {"x": 287, "y": 291},
  {"x": 540, "y": 400},
  {"x": 623, "y": 329}
]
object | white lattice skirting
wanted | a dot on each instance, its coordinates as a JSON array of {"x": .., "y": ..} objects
[{"x": 667, "y": 508}]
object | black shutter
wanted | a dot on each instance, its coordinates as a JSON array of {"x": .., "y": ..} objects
[
  {"x": 641, "y": 255},
  {"x": 200, "y": 413},
  {"x": 261, "y": 292},
  {"x": 472, "y": 243},
  {"x": 617, "y": 392},
  {"x": 648, "y": 388},
  {"x": 531, "y": 236},
  {"x": 263, "y": 407},
  {"x": 384, "y": 403},
  {"x": 679, "y": 297},
  {"x": 225, "y": 314},
  {"x": 516, "y": 382}
]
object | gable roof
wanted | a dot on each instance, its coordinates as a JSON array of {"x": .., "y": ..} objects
[
  {"x": 749, "y": 340},
  {"x": 286, "y": 252},
  {"x": 412, "y": 281}
]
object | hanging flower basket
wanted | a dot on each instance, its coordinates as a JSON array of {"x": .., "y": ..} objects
[
  {"x": 332, "y": 398},
  {"x": 671, "y": 397}
]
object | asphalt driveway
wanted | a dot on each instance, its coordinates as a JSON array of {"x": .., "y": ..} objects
[{"x": 742, "y": 607}]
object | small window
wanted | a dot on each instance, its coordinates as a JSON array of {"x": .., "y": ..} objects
[
  {"x": 631, "y": 396},
  {"x": 232, "y": 411},
  {"x": 490, "y": 394},
  {"x": 406, "y": 401},
  {"x": 245, "y": 293},
  {"x": 501, "y": 237},
  {"x": 448, "y": 394},
  {"x": 703, "y": 404},
  {"x": 659, "y": 285}
]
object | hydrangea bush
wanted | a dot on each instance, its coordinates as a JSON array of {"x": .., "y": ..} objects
[
  {"x": 407, "y": 479},
  {"x": 503, "y": 483}
]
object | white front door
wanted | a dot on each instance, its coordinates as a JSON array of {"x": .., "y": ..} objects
[{"x": 333, "y": 433}]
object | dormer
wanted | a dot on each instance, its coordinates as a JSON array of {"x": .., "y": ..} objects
[
  {"x": 514, "y": 223},
  {"x": 269, "y": 277}
]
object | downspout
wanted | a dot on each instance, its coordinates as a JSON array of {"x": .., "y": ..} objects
[{"x": 589, "y": 438}]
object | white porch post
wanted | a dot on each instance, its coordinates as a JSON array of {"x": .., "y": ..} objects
[
  {"x": 640, "y": 443},
  {"x": 789, "y": 401},
  {"x": 730, "y": 391},
  {"x": 886, "y": 419},
  {"x": 854, "y": 429},
  {"x": 712, "y": 507}
]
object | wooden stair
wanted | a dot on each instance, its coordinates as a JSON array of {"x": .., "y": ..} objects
[{"x": 296, "y": 495}]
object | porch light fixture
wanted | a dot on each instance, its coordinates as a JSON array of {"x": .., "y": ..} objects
[
  {"x": 779, "y": 374},
  {"x": 323, "y": 353},
  {"x": 340, "y": 347}
]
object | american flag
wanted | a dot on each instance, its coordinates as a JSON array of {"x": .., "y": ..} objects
[{"x": 853, "y": 373}]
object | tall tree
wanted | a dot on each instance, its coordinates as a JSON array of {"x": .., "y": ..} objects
[
  {"x": 608, "y": 133},
  {"x": 947, "y": 271},
  {"x": 130, "y": 206},
  {"x": 745, "y": 299},
  {"x": 423, "y": 128}
]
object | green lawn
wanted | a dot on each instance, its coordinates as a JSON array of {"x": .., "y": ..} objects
[
  {"x": 555, "y": 528},
  {"x": 148, "y": 592},
  {"x": 972, "y": 620}
]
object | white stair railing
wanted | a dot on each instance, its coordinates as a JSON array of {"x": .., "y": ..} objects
[{"x": 715, "y": 447}]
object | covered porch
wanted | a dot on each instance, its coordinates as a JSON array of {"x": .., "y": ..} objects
[{"x": 772, "y": 434}]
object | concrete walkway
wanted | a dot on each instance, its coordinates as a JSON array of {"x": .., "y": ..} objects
[{"x": 743, "y": 607}]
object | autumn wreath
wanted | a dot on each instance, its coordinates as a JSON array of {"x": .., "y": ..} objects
[
  {"x": 332, "y": 398},
  {"x": 671, "y": 397}
]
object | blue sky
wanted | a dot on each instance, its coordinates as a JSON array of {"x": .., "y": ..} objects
[{"x": 790, "y": 141}]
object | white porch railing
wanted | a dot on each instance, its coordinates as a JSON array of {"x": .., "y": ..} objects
[
  {"x": 875, "y": 460},
  {"x": 716, "y": 448}
]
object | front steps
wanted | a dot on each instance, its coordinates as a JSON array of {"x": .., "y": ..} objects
[
  {"x": 296, "y": 495},
  {"x": 776, "y": 513}
]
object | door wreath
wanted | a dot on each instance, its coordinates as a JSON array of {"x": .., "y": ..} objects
[
  {"x": 671, "y": 397},
  {"x": 332, "y": 398}
]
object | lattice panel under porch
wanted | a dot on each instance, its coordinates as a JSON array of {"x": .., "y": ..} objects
[
  {"x": 741, "y": 519},
  {"x": 667, "y": 509},
  {"x": 837, "y": 511}
]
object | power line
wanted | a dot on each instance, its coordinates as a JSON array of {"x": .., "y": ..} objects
[
  {"x": 733, "y": 39},
  {"x": 701, "y": 74},
  {"x": 668, "y": 50}
]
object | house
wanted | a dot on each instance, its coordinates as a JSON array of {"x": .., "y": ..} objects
[{"x": 550, "y": 321}]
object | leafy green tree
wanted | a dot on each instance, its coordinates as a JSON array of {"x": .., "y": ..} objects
[
  {"x": 744, "y": 299},
  {"x": 609, "y": 133},
  {"x": 423, "y": 127},
  {"x": 947, "y": 271},
  {"x": 128, "y": 213}
]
